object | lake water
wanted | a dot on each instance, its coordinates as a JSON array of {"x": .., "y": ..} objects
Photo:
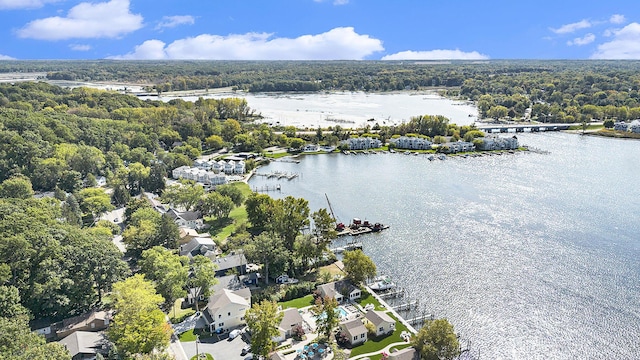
[
  {"x": 349, "y": 109},
  {"x": 530, "y": 256}
]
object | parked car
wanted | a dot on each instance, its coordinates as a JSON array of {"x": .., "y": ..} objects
[
  {"x": 245, "y": 350},
  {"x": 234, "y": 334}
]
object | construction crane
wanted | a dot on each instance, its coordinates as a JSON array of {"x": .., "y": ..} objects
[{"x": 339, "y": 226}]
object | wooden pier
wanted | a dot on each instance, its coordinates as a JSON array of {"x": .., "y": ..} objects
[
  {"x": 420, "y": 319},
  {"x": 278, "y": 175},
  {"x": 267, "y": 188},
  {"x": 406, "y": 306},
  {"x": 397, "y": 292}
]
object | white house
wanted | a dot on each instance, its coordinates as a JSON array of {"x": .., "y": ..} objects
[
  {"x": 354, "y": 330},
  {"x": 229, "y": 166},
  {"x": 342, "y": 290},
  {"x": 240, "y": 167},
  {"x": 383, "y": 323},
  {"x": 362, "y": 143},
  {"x": 413, "y": 143},
  {"x": 290, "y": 320},
  {"x": 621, "y": 126},
  {"x": 634, "y": 127},
  {"x": 226, "y": 309},
  {"x": 459, "y": 146},
  {"x": 187, "y": 219},
  {"x": 310, "y": 148},
  {"x": 494, "y": 142}
]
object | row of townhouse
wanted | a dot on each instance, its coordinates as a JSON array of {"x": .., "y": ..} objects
[
  {"x": 227, "y": 167},
  {"x": 362, "y": 143},
  {"x": 492, "y": 142},
  {"x": 459, "y": 146},
  {"x": 202, "y": 176},
  {"x": 633, "y": 126},
  {"x": 411, "y": 143}
]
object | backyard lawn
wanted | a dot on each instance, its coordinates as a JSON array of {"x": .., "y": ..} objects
[
  {"x": 222, "y": 229},
  {"x": 377, "y": 344},
  {"x": 298, "y": 303},
  {"x": 177, "y": 313},
  {"x": 369, "y": 299}
]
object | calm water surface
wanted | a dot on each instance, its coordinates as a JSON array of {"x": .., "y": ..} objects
[{"x": 530, "y": 256}]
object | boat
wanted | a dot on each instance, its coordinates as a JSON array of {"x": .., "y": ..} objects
[{"x": 382, "y": 283}]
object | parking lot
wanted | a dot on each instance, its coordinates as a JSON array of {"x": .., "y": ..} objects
[{"x": 220, "y": 349}]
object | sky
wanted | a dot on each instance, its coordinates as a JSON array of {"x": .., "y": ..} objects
[{"x": 319, "y": 29}]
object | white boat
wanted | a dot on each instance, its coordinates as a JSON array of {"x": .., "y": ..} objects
[{"x": 382, "y": 283}]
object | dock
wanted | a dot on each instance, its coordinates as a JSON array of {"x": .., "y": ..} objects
[
  {"x": 267, "y": 188},
  {"x": 278, "y": 175}
]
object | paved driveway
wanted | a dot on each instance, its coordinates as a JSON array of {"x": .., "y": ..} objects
[{"x": 220, "y": 349}]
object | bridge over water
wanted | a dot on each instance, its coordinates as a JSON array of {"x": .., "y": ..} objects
[{"x": 505, "y": 128}]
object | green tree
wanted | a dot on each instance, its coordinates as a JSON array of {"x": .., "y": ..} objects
[
  {"x": 168, "y": 270},
  {"x": 263, "y": 320},
  {"x": 94, "y": 201},
  {"x": 185, "y": 194},
  {"x": 216, "y": 205},
  {"x": 497, "y": 112},
  {"x": 214, "y": 142},
  {"x": 292, "y": 215},
  {"x": 17, "y": 342},
  {"x": 327, "y": 317},
  {"x": 324, "y": 226},
  {"x": 260, "y": 211},
  {"x": 202, "y": 278},
  {"x": 436, "y": 341},
  {"x": 18, "y": 186},
  {"x": 10, "y": 302},
  {"x": 232, "y": 192},
  {"x": 267, "y": 249},
  {"x": 358, "y": 266},
  {"x": 138, "y": 326}
]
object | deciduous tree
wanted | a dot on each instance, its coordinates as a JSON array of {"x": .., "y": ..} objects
[
  {"x": 263, "y": 320},
  {"x": 358, "y": 266},
  {"x": 436, "y": 341}
]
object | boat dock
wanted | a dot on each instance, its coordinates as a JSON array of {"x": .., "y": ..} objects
[
  {"x": 278, "y": 175},
  {"x": 267, "y": 188}
]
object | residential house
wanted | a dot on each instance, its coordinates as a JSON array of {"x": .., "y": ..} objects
[
  {"x": 621, "y": 126},
  {"x": 229, "y": 166},
  {"x": 383, "y": 323},
  {"x": 199, "y": 246},
  {"x": 226, "y": 309},
  {"x": 412, "y": 143},
  {"x": 290, "y": 320},
  {"x": 187, "y": 219},
  {"x": 186, "y": 234},
  {"x": 342, "y": 290},
  {"x": 634, "y": 127},
  {"x": 355, "y": 331},
  {"x": 91, "y": 321},
  {"x": 459, "y": 146},
  {"x": 240, "y": 167},
  {"x": 409, "y": 353},
  {"x": 84, "y": 344},
  {"x": 237, "y": 262},
  {"x": 362, "y": 143},
  {"x": 310, "y": 148},
  {"x": 494, "y": 142},
  {"x": 229, "y": 282}
]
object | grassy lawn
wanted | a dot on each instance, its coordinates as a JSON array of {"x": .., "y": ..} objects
[
  {"x": 298, "y": 303},
  {"x": 369, "y": 299},
  {"x": 379, "y": 356},
  {"x": 180, "y": 313},
  {"x": 377, "y": 344},
  {"x": 191, "y": 335},
  {"x": 332, "y": 269},
  {"x": 223, "y": 228},
  {"x": 276, "y": 155}
]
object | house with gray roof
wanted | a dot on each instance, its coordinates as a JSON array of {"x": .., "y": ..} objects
[
  {"x": 226, "y": 309},
  {"x": 409, "y": 353},
  {"x": 354, "y": 331},
  {"x": 229, "y": 262},
  {"x": 290, "y": 320},
  {"x": 199, "y": 246},
  {"x": 342, "y": 290},
  {"x": 383, "y": 323},
  {"x": 188, "y": 219},
  {"x": 84, "y": 344}
]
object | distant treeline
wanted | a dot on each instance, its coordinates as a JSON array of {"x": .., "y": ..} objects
[{"x": 556, "y": 91}]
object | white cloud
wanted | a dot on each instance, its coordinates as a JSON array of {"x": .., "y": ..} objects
[
  {"x": 24, "y": 4},
  {"x": 173, "y": 21},
  {"x": 624, "y": 45},
  {"x": 110, "y": 19},
  {"x": 80, "y": 47},
  {"x": 337, "y": 44},
  {"x": 617, "y": 19},
  {"x": 5, "y": 57},
  {"x": 436, "y": 55},
  {"x": 569, "y": 28},
  {"x": 587, "y": 39},
  {"x": 335, "y": 2}
]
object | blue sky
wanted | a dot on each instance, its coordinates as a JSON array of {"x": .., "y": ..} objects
[{"x": 319, "y": 29}]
